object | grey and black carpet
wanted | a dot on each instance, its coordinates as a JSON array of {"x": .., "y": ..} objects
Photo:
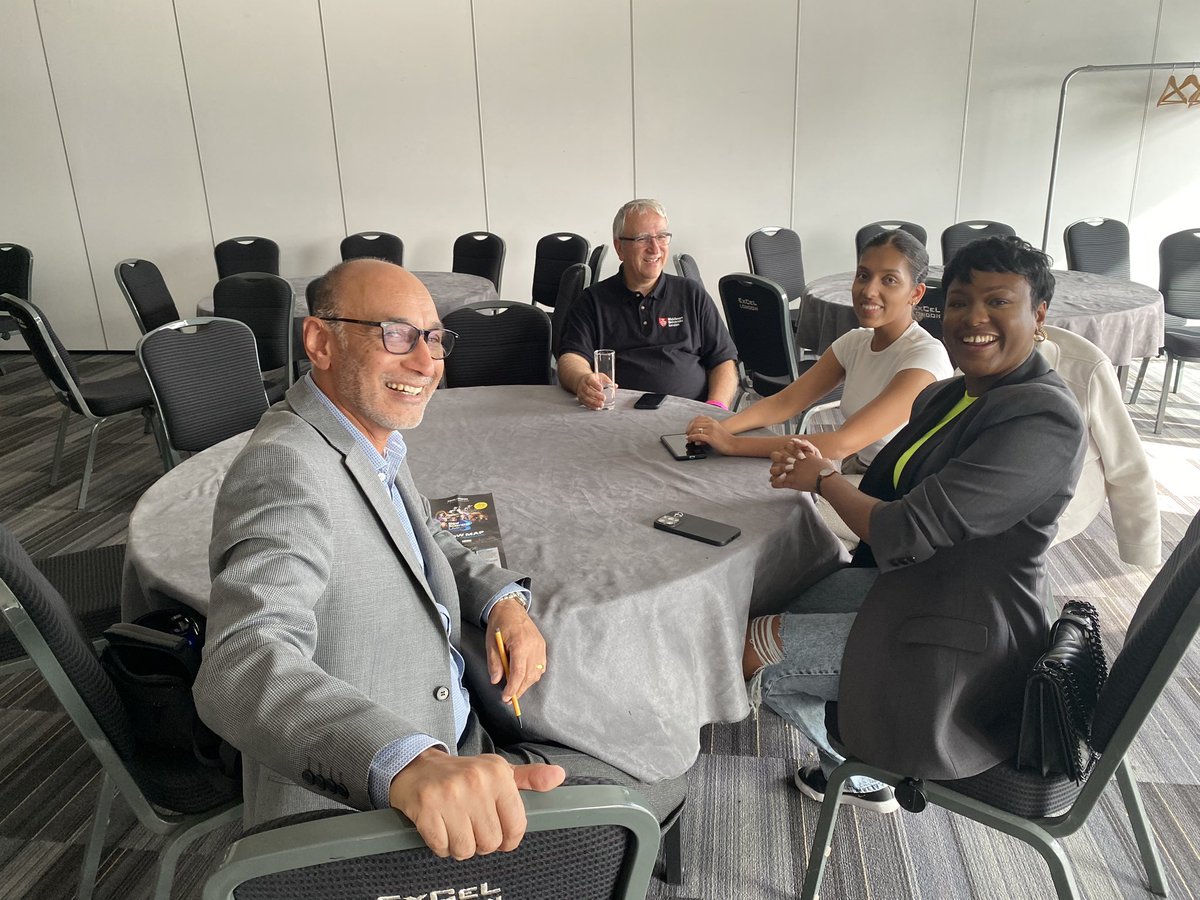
[{"x": 746, "y": 830}]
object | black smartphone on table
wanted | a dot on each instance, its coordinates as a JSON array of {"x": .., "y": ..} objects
[
  {"x": 697, "y": 528},
  {"x": 681, "y": 448},
  {"x": 650, "y": 401}
]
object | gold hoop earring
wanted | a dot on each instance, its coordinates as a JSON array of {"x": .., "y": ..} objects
[{"x": 1039, "y": 335}]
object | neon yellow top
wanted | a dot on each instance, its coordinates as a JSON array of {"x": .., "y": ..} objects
[{"x": 958, "y": 407}]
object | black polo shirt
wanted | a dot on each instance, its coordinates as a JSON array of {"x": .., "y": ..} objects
[{"x": 666, "y": 341}]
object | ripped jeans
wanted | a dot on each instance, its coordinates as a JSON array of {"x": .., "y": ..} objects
[{"x": 813, "y": 631}]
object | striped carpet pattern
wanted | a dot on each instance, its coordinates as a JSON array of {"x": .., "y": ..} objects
[{"x": 746, "y": 831}]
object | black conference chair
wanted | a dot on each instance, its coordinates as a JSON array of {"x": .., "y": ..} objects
[
  {"x": 499, "y": 342},
  {"x": 554, "y": 253},
  {"x": 1100, "y": 246},
  {"x": 170, "y": 792},
  {"x": 90, "y": 584},
  {"x": 480, "y": 253},
  {"x": 588, "y": 842},
  {"x": 756, "y": 311},
  {"x": 776, "y": 253},
  {"x": 96, "y": 401},
  {"x": 960, "y": 234},
  {"x": 205, "y": 379},
  {"x": 685, "y": 267},
  {"x": 596, "y": 261},
  {"x": 1179, "y": 283},
  {"x": 374, "y": 244},
  {"x": 264, "y": 302},
  {"x": 144, "y": 289},
  {"x": 868, "y": 233},
  {"x": 16, "y": 276},
  {"x": 574, "y": 280},
  {"x": 1029, "y": 807},
  {"x": 928, "y": 312},
  {"x": 246, "y": 254}
]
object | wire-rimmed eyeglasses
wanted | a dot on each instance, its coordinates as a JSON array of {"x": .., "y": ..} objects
[{"x": 401, "y": 337}]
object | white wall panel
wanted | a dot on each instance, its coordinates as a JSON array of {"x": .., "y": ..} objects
[
  {"x": 714, "y": 94},
  {"x": 557, "y": 110},
  {"x": 260, "y": 100},
  {"x": 128, "y": 131},
  {"x": 402, "y": 77},
  {"x": 38, "y": 211},
  {"x": 880, "y": 121},
  {"x": 1022, "y": 53},
  {"x": 1167, "y": 197}
]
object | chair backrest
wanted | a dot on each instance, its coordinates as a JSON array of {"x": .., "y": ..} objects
[
  {"x": 775, "y": 253},
  {"x": 52, "y": 357},
  {"x": 574, "y": 280},
  {"x": 246, "y": 254},
  {"x": 1179, "y": 274},
  {"x": 511, "y": 345},
  {"x": 16, "y": 270},
  {"x": 205, "y": 379},
  {"x": 596, "y": 261},
  {"x": 960, "y": 234},
  {"x": 1100, "y": 246},
  {"x": 480, "y": 253},
  {"x": 685, "y": 267},
  {"x": 554, "y": 253},
  {"x": 144, "y": 289},
  {"x": 756, "y": 311},
  {"x": 928, "y": 312},
  {"x": 264, "y": 302},
  {"x": 1158, "y": 636},
  {"x": 588, "y": 842},
  {"x": 374, "y": 244},
  {"x": 869, "y": 232},
  {"x": 55, "y": 640}
]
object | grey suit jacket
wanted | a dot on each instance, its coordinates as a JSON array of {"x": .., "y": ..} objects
[
  {"x": 323, "y": 641},
  {"x": 934, "y": 670}
]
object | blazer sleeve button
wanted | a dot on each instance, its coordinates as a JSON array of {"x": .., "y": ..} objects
[{"x": 442, "y": 693}]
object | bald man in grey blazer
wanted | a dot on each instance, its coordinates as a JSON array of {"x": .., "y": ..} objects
[{"x": 335, "y": 623}]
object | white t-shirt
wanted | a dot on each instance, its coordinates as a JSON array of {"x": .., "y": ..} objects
[{"x": 868, "y": 372}]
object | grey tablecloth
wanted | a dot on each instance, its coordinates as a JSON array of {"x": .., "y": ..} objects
[
  {"x": 645, "y": 628},
  {"x": 1122, "y": 318},
  {"x": 449, "y": 290}
]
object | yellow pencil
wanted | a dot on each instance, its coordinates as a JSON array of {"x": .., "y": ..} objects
[{"x": 504, "y": 662}]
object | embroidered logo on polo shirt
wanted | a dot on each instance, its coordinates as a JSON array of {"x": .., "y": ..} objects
[{"x": 670, "y": 321}]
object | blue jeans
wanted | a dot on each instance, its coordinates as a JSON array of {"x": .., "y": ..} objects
[{"x": 813, "y": 632}]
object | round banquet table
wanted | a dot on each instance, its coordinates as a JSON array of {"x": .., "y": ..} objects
[
  {"x": 1122, "y": 318},
  {"x": 645, "y": 628},
  {"x": 449, "y": 290}
]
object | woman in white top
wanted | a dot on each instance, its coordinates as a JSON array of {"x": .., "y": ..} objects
[{"x": 884, "y": 365}]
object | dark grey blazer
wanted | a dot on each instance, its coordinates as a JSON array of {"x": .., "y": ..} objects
[
  {"x": 934, "y": 671},
  {"x": 323, "y": 643}
]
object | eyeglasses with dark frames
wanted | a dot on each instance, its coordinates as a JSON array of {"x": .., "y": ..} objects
[
  {"x": 645, "y": 240},
  {"x": 401, "y": 337}
]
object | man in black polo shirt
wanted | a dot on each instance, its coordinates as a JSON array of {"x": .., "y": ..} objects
[{"x": 666, "y": 330}]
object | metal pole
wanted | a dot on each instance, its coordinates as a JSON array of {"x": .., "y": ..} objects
[{"x": 1062, "y": 105}]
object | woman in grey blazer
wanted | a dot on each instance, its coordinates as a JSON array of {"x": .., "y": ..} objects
[{"x": 926, "y": 640}]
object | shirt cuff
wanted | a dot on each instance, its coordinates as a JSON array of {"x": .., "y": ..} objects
[
  {"x": 390, "y": 760},
  {"x": 512, "y": 588}
]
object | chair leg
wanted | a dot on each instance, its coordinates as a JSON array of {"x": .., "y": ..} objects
[
  {"x": 1178, "y": 375},
  {"x": 1141, "y": 830},
  {"x": 818, "y": 855},
  {"x": 168, "y": 858},
  {"x": 87, "y": 466},
  {"x": 95, "y": 844},
  {"x": 58, "y": 447},
  {"x": 673, "y": 853},
  {"x": 1137, "y": 385},
  {"x": 1122, "y": 377},
  {"x": 1162, "y": 400}
]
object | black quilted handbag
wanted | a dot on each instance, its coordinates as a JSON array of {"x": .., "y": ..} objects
[{"x": 1060, "y": 697}]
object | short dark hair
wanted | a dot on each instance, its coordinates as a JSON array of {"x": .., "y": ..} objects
[
  {"x": 914, "y": 251},
  {"x": 1003, "y": 254},
  {"x": 322, "y": 294}
]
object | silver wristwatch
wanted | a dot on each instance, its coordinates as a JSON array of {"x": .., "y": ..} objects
[{"x": 823, "y": 474}]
